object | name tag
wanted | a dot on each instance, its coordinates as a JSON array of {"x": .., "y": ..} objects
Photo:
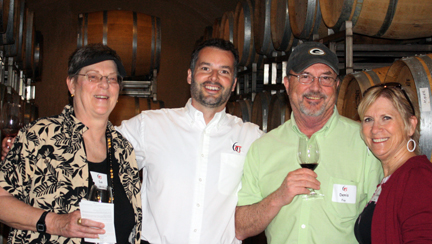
[
  {"x": 99, "y": 179},
  {"x": 344, "y": 193}
]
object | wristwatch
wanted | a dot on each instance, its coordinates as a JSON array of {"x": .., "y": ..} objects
[{"x": 40, "y": 225}]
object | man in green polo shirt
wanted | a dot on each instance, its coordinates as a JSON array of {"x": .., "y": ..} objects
[{"x": 274, "y": 185}]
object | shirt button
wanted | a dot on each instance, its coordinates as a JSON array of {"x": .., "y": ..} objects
[
  {"x": 303, "y": 226},
  {"x": 195, "y": 230},
  {"x": 200, "y": 180},
  {"x": 198, "y": 205},
  {"x": 202, "y": 155}
]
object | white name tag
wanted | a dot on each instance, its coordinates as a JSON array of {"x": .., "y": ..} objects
[
  {"x": 344, "y": 193},
  {"x": 99, "y": 179}
]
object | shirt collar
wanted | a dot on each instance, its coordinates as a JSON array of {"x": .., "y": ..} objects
[
  {"x": 325, "y": 130},
  {"x": 71, "y": 122},
  {"x": 197, "y": 116}
]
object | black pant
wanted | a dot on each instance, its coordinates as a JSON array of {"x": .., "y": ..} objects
[{"x": 144, "y": 242}]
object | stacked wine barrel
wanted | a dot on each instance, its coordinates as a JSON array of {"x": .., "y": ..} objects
[
  {"x": 413, "y": 72},
  {"x": 21, "y": 47},
  {"x": 136, "y": 37},
  {"x": 263, "y": 28}
]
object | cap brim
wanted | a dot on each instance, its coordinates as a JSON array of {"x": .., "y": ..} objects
[{"x": 301, "y": 67}]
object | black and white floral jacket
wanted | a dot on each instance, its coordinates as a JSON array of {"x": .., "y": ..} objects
[{"x": 46, "y": 168}]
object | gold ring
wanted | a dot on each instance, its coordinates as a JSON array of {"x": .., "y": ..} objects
[{"x": 79, "y": 221}]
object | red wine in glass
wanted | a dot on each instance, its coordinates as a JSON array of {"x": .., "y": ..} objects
[
  {"x": 311, "y": 166},
  {"x": 308, "y": 155},
  {"x": 11, "y": 119},
  {"x": 6, "y": 132}
]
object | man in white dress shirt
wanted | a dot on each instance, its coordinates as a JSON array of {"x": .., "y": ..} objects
[{"x": 193, "y": 156}]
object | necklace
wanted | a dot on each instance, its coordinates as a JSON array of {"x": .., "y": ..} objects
[{"x": 109, "y": 156}]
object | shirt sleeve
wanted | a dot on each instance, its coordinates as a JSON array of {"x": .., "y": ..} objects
[
  {"x": 132, "y": 130},
  {"x": 250, "y": 191}
]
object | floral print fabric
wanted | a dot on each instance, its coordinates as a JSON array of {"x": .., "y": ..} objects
[{"x": 46, "y": 168}]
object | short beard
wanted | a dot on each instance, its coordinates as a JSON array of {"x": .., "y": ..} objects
[
  {"x": 312, "y": 112},
  {"x": 210, "y": 101}
]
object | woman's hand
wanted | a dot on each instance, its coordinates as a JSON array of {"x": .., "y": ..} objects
[{"x": 68, "y": 225}]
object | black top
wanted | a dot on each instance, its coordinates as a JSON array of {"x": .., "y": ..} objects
[
  {"x": 363, "y": 225},
  {"x": 124, "y": 219}
]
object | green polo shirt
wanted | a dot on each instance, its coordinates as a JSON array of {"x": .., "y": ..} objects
[{"x": 348, "y": 173}]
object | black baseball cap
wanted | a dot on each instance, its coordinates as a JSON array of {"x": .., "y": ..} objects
[{"x": 309, "y": 53}]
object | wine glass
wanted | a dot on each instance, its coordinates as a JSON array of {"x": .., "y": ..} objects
[
  {"x": 308, "y": 154},
  {"x": 12, "y": 119},
  {"x": 101, "y": 194}
]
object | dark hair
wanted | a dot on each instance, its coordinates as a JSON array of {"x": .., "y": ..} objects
[
  {"x": 216, "y": 43},
  {"x": 90, "y": 54}
]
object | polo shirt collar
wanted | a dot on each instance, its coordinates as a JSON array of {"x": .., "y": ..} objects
[{"x": 325, "y": 130}]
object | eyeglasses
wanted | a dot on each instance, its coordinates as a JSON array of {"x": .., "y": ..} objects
[
  {"x": 97, "y": 78},
  {"x": 307, "y": 79},
  {"x": 393, "y": 84}
]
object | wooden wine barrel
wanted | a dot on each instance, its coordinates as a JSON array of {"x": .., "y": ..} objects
[
  {"x": 305, "y": 19},
  {"x": 29, "y": 40},
  {"x": 7, "y": 12},
  {"x": 282, "y": 36},
  {"x": 15, "y": 46},
  {"x": 243, "y": 35},
  {"x": 31, "y": 112},
  {"x": 394, "y": 19},
  {"x": 10, "y": 16},
  {"x": 216, "y": 28},
  {"x": 243, "y": 31},
  {"x": 262, "y": 32},
  {"x": 127, "y": 107},
  {"x": 260, "y": 110},
  {"x": 229, "y": 108},
  {"x": 135, "y": 36},
  {"x": 38, "y": 54},
  {"x": 227, "y": 26},
  {"x": 279, "y": 111},
  {"x": 208, "y": 32},
  {"x": 352, "y": 87},
  {"x": 242, "y": 109},
  {"x": 416, "y": 73}
]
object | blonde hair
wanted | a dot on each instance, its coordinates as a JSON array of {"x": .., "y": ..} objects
[{"x": 395, "y": 93}]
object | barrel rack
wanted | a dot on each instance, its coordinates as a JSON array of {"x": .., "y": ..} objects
[
  {"x": 15, "y": 85},
  {"x": 354, "y": 56},
  {"x": 145, "y": 88}
]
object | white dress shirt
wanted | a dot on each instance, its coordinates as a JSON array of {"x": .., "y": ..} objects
[{"x": 192, "y": 173}]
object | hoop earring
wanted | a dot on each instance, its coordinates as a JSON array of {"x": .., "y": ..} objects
[{"x": 411, "y": 150}]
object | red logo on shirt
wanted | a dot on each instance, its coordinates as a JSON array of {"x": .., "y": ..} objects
[
  {"x": 99, "y": 177},
  {"x": 236, "y": 148},
  {"x": 344, "y": 188}
]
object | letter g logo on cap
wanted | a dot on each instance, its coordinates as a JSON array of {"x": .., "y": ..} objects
[{"x": 316, "y": 51}]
